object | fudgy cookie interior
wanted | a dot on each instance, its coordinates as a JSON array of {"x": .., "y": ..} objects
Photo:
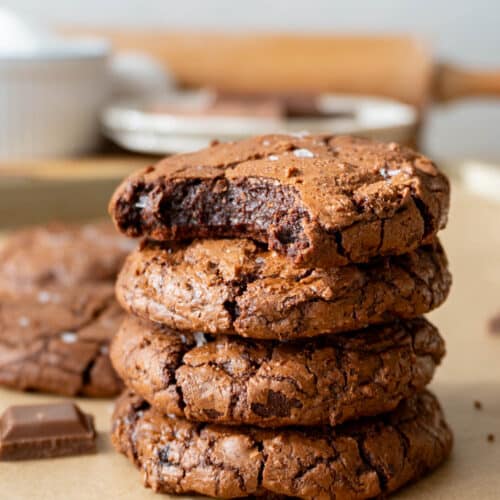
[{"x": 255, "y": 208}]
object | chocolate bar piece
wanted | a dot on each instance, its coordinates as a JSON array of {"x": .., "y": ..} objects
[{"x": 45, "y": 431}]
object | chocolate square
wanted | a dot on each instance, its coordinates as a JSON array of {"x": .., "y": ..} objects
[{"x": 44, "y": 431}]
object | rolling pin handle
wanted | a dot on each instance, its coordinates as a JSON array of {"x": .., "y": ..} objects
[{"x": 452, "y": 83}]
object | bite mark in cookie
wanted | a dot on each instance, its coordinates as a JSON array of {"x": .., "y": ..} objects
[{"x": 320, "y": 200}]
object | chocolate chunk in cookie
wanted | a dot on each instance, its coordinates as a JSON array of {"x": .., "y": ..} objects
[
  {"x": 61, "y": 255},
  {"x": 233, "y": 286},
  {"x": 230, "y": 380},
  {"x": 57, "y": 340},
  {"x": 366, "y": 459},
  {"x": 321, "y": 200}
]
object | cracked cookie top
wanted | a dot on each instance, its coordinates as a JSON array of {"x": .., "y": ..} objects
[
  {"x": 230, "y": 380},
  {"x": 57, "y": 308},
  {"x": 321, "y": 200},
  {"x": 236, "y": 287},
  {"x": 57, "y": 340},
  {"x": 60, "y": 254},
  {"x": 361, "y": 460}
]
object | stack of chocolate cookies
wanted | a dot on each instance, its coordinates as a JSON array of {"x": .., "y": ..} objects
[{"x": 275, "y": 344}]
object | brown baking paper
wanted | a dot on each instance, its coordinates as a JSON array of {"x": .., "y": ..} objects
[{"x": 470, "y": 372}]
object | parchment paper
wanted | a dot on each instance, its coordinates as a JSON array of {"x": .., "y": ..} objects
[{"x": 471, "y": 371}]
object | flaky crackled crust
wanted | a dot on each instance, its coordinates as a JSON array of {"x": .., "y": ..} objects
[
  {"x": 372, "y": 457},
  {"x": 321, "y": 200},
  {"x": 60, "y": 254},
  {"x": 236, "y": 381},
  {"x": 233, "y": 286},
  {"x": 57, "y": 340}
]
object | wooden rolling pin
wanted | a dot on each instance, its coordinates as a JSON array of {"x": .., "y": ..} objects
[
  {"x": 453, "y": 82},
  {"x": 400, "y": 67}
]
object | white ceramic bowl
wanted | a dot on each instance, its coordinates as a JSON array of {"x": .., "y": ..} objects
[{"x": 50, "y": 99}]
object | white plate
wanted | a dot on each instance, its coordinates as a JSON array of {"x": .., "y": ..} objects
[{"x": 134, "y": 126}]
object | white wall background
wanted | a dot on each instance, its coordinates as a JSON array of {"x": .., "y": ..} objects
[{"x": 462, "y": 31}]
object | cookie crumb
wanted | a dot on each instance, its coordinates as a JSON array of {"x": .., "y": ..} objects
[
  {"x": 491, "y": 438},
  {"x": 494, "y": 324},
  {"x": 214, "y": 142},
  {"x": 478, "y": 405},
  {"x": 292, "y": 172}
]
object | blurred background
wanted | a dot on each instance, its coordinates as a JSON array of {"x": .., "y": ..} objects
[
  {"x": 90, "y": 90},
  {"x": 465, "y": 33}
]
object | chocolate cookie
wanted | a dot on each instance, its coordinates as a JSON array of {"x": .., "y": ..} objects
[
  {"x": 231, "y": 380},
  {"x": 324, "y": 201},
  {"x": 372, "y": 457},
  {"x": 61, "y": 255},
  {"x": 56, "y": 340},
  {"x": 233, "y": 286}
]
